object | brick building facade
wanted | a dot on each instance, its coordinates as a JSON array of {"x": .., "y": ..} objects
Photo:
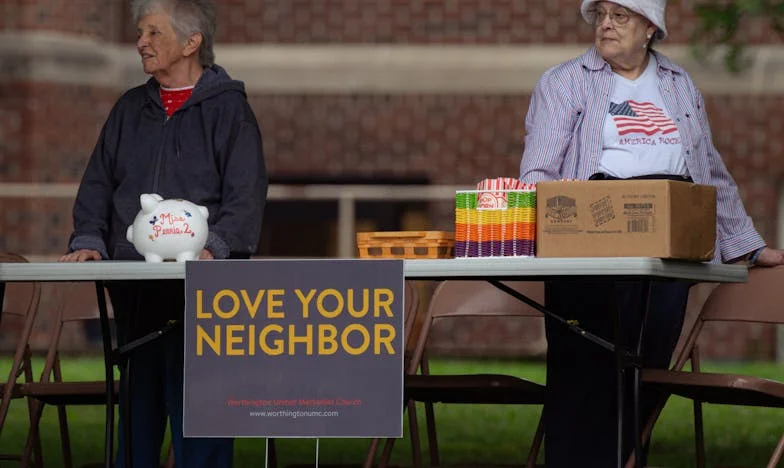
[{"x": 431, "y": 91}]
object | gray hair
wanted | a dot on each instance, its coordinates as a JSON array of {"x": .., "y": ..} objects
[{"x": 188, "y": 17}]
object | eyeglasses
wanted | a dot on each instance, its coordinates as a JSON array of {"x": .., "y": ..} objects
[{"x": 617, "y": 17}]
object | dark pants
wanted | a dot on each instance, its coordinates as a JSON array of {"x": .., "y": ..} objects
[
  {"x": 156, "y": 378},
  {"x": 581, "y": 405}
]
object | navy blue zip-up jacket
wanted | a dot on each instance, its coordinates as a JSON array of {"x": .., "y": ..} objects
[{"x": 208, "y": 152}]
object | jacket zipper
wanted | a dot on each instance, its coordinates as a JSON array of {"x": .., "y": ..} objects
[{"x": 159, "y": 160}]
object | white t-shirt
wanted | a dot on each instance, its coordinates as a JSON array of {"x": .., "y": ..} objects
[{"x": 639, "y": 137}]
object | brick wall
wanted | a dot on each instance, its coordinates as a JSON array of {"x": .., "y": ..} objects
[
  {"x": 430, "y": 21},
  {"x": 359, "y": 21},
  {"x": 14, "y": 126},
  {"x": 47, "y": 132},
  {"x": 451, "y": 139},
  {"x": 98, "y": 18},
  {"x": 65, "y": 121}
]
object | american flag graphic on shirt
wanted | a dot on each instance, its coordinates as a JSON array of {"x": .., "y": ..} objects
[{"x": 640, "y": 117}]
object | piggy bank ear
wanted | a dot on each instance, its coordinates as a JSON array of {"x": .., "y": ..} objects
[
  {"x": 204, "y": 211},
  {"x": 149, "y": 201}
]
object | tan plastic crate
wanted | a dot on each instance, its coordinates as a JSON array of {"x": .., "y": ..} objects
[{"x": 406, "y": 244}]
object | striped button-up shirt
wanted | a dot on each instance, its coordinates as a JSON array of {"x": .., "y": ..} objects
[{"x": 564, "y": 129}]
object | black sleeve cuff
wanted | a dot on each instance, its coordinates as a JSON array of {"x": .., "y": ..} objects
[
  {"x": 217, "y": 246},
  {"x": 89, "y": 243}
]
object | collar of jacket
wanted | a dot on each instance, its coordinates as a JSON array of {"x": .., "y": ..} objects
[
  {"x": 591, "y": 60},
  {"x": 214, "y": 80}
]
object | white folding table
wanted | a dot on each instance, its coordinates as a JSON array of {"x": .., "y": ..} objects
[{"x": 493, "y": 270}]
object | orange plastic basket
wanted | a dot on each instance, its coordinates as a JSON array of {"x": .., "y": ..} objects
[{"x": 406, "y": 244}]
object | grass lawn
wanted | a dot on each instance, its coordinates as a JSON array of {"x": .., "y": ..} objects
[{"x": 487, "y": 434}]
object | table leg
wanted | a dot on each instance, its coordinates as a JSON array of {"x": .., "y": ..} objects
[
  {"x": 623, "y": 363},
  {"x": 637, "y": 374},
  {"x": 623, "y": 358},
  {"x": 123, "y": 356},
  {"x": 2, "y": 298},
  {"x": 108, "y": 362},
  {"x": 620, "y": 371},
  {"x": 126, "y": 409},
  {"x": 571, "y": 324}
]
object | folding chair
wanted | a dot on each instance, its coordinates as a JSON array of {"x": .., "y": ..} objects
[
  {"x": 21, "y": 304},
  {"x": 755, "y": 301},
  {"x": 455, "y": 299},
  {"x": 76, "y": 302},
  {"x": 411, "y": 327},
  {"x": 698, "y": 295}
]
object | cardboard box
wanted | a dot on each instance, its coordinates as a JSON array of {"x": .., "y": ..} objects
[{"x": 626, "y": 218}]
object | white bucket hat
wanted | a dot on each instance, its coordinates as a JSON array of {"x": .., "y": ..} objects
[{"x": 653, "y": 10}]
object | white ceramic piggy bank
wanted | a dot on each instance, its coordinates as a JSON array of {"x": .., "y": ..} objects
[{"x": 168, "y": 229}]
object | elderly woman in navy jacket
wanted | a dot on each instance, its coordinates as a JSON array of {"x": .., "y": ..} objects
[
  {"x": 595, "y": 117},
  {"x": 187, "y": 133}
]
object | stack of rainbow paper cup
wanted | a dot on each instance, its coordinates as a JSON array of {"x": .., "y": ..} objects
[{"x": 496, "y": 220}]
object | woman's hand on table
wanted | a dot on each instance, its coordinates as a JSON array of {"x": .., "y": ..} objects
[
  {"x": 770, "y": 257},
  {"x": 81, "y": 255},
  {"x": 205, "y": 255}
]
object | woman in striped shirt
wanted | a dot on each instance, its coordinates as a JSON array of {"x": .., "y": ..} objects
[{"x": 621, "y": 110}]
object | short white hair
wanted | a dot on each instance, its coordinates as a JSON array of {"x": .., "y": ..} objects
[{"x": 188, "y": 17}]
